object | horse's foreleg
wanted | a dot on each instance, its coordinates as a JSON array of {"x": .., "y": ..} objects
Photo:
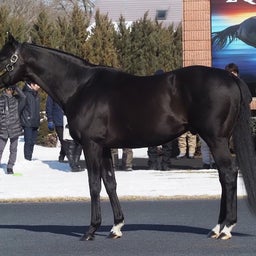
[
  {"x": 108, "y": 176},
  {"x": 95, "y": 188},
  {"x": 228, "y": 180},
  {"x": 93, "y": 161}
]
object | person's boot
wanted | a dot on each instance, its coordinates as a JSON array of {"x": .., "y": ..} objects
[
  {"x": 152, "y": 158},
  {"x": 125, "y": 165},
  {"x": 61, "y": 158},
  {"x": 73, "y": 158},
  {"x": 77, "y": 154},
  {"x": 166, "y": 156},
  {"x": 115, "y": 161},
  {"x": 62, "y": 153},
  {"x": 9, "y": 170}
]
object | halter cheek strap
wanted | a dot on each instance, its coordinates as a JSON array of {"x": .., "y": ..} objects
[{"x": 10, "y": 66}]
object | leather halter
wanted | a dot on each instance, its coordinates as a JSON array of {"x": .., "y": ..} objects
[{"x": 10, "y": 66}]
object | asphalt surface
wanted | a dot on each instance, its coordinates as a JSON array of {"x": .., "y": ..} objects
[{"x": 173, "y": 227}]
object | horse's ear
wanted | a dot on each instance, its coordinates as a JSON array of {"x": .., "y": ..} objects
[{"x": 10, "y": 38}]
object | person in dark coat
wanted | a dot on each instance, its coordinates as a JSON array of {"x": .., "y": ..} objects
[
  {"x": 54, "y": 115},
  {"x": 30, "y": 118},
  {"x": 11, "y": 105}
]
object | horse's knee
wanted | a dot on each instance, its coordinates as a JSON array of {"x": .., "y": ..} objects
[
  {"x": 110, "y": 187},
  {"x": 95, "y": 189},
  {"x": 110, "y": 182}
]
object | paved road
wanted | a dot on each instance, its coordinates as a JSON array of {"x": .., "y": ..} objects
[{"x": 152, "y": 228}]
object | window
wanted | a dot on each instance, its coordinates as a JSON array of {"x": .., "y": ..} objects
[{"x": 161, "y": 14}]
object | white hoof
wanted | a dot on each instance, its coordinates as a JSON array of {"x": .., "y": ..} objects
[
  {"x": 225, "y": 233},
  {"x": 116, "y": 232},
  {"x": 215, "y": 232}
]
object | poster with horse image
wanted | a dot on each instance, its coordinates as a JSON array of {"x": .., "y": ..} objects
[{"x": 233, "y": 32}]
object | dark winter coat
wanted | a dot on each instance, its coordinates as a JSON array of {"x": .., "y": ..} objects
[
  {"x": 30, "y": 116},
  {"x": 54, "y": 112},
  {"x": 10, "y": 109}
]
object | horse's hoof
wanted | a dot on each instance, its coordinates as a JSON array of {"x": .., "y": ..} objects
[
  {"x": 225, "y": 233},
  {"x": 87, "y": 237},
  {"x": 112, "y": 235},
  {"x": 115, "y": 232},
  {"x": 212, "y": 234},
  {"x": 224, "y": 236}
]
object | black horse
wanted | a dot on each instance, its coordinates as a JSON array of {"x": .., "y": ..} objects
[
  {"x": 107, "y": 108},
  {"x": 245, "y": 31}
]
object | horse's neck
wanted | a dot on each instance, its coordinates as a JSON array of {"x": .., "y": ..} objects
[{"x": 55, "y": 72}]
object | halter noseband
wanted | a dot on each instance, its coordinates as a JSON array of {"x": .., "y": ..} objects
[{"x": 10, "y": 66}]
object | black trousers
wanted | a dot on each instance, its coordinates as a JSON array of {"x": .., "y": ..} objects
[
  {"x": 154, "y": 154},
  {"x": 59, "y": 131}
]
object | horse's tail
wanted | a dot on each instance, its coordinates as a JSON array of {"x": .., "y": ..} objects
[
  {"x": 225, "y": 37},
  {"x": 244, "y": 146}
]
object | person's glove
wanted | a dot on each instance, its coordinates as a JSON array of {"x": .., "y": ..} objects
[{"x": 51, "y": 126}]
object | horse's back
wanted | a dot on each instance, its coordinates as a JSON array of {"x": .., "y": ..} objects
[{"x": 137, "y": 111}]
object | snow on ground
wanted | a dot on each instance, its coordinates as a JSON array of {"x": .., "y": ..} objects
[{"x": 45, "y": 177}]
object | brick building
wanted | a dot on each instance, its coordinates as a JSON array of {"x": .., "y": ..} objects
[{"x": 196, "y": 33}]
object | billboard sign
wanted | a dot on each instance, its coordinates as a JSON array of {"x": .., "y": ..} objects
[{"x": 233, "y": 32}]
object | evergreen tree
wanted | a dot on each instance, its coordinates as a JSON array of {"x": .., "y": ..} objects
[
  {"x": 148, "y": 46},
  {"x": 14, "y": 25},
  {"x": 4, "y": 25},
  {"x": 78, "y": 27},
  {"x": 43, "y": 31},
  {"x": 143, "y": 38},
  {"x": 123, "y": 44},
  {"x": 177, "y": 46},
  {"x": 73, "y": 32},
  {"x": 168, "y": 50},
  {"x": 63, "y": 32},
  {"x": 100, "y": 47}
]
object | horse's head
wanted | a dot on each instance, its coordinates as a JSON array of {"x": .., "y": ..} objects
[{"x": 10, "y": 63}]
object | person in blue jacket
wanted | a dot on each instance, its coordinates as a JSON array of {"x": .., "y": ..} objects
[
  {"x": 69, "y": 148},
  {"x": 54, "y": 115}
]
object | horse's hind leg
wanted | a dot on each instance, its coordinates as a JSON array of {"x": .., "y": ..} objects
[
  {"x": 108, "y": 176},
  {"x": 228, "y": 180}
]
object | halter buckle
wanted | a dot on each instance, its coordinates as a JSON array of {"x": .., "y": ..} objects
[
  {"x": 14, "y": 58},
  {"x": 9, "y": 67}
]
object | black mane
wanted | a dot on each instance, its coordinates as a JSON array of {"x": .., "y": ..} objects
[{"x": 58, "y": 53}]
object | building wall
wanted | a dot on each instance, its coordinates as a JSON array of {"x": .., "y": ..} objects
[
  {"x": 196, "y": 33},
  {"x": 133, "y": 10}
]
